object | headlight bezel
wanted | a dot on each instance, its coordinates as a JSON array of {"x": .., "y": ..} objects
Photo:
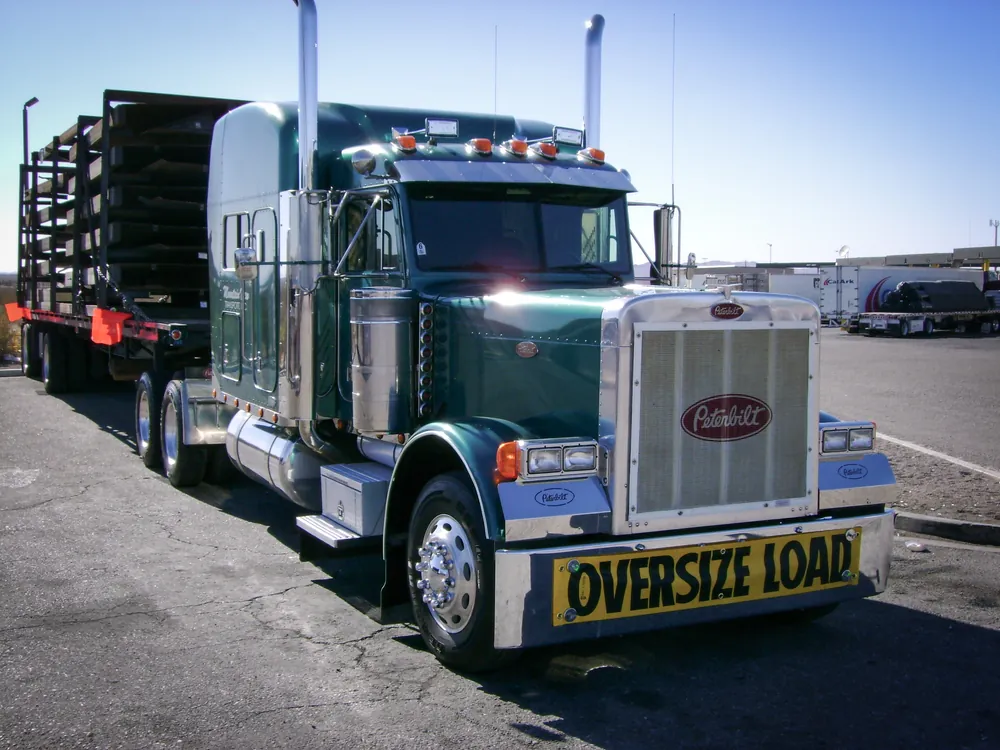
[
  {"x": 851, "y": 438},
  {"x": 526, "y": 456}
]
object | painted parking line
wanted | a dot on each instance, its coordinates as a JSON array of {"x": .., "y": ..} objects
[{"x": 992, "y": 473}]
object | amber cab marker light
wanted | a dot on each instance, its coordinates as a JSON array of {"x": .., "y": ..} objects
[
  {"x": 406, "y": 143},
  {"x": 508, "y": 458},
  {"x": 481, "y": 146},
  {"x": 593, "y": 154},
  {"x": 517, "y": 147},
  {"x": 548, "y": 150}
]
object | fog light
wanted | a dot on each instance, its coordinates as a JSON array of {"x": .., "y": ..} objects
[
  {"x": 544, "y": 460},
  {"x": 862, "y": 439},
  {"x": 834, "y": 441},
  {"x": 580, "y": 458}
]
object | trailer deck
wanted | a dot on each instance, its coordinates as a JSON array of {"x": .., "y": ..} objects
[{"x": 113, "y": 234}]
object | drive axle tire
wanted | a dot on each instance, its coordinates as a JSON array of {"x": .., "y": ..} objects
[
  {"x": 183, "y": 464},
  {"x": 450, "y": 573},
  {"x": 55, "y": 363},
  {"x": 148, "y": 401},
  {"x": 31, "y": 361}
]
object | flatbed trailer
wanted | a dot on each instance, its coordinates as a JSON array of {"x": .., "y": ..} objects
[
  {"x": 113, "y": 250},
  {"x": 927, "y": 323}
]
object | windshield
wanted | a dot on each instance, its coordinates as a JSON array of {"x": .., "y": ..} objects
[{"x": 518, "y": 228}]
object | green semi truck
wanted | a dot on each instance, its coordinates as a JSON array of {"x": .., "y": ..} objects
[{"x": 425, "y": 328}]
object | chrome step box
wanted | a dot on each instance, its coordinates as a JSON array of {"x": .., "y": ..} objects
[{"x": 354, "y": 496}]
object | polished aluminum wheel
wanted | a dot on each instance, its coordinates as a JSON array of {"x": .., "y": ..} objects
[
  {"x": 447, "y": 571},
  {"x": 142, "y": 422},
  {"x": 171, "y": 438}
]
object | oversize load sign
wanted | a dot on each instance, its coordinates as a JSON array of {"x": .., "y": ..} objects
[{"x": 666, "y": 580}]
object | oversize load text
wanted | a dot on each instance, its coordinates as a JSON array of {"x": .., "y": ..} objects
[{"x": 604, "y": 588}]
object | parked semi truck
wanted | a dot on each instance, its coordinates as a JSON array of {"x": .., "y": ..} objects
[
  {"x": 431, "y": 339},
  {"x": 847, "y": 292},
  {"x": 923, "y": 307}
]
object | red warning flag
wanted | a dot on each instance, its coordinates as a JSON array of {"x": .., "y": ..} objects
[{"x": 108, "y": 326}]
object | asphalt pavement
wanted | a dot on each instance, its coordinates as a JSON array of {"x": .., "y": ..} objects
[
  {"x": 940, "y": 392},
  {"x": 136, "y": 615}
]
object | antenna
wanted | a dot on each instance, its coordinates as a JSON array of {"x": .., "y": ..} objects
[{"x": 495, "y": 33}]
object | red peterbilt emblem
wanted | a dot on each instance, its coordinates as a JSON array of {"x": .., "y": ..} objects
[
  {"x": 726, "y": 311},
  {"x": 721, "y": 419}
]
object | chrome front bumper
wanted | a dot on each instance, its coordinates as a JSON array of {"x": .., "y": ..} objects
[{"x": 525, "y": 596}]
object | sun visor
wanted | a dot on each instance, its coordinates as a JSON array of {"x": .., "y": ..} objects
[{"x": 426, "y": 170}]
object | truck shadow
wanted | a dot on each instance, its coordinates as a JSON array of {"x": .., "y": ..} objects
[
  {"x": 870, "y": 674},
  {"x": 110, "y": 406}
]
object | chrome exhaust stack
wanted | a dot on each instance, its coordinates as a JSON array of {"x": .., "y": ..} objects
[
  {"x": 308, "y": 93},
  {"x": 592, "y": 82},
  {"x": 302, "y": 213}
]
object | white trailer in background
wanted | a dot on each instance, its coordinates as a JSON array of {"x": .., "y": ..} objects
[
  {"x": 846, "y": 292},
  {"x": 805, "y": 285}
]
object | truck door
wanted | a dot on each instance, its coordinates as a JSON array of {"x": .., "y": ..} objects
[{"x": 374, "y": 259}]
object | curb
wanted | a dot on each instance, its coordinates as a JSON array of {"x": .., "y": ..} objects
[{"x": 971, "y": 532}]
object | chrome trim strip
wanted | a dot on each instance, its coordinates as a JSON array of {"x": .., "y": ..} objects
[
  {"x": 882, "y": 494},
  {"x": 524, "y": 580}
]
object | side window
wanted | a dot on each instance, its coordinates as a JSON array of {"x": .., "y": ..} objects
[
  {"x": 388, "y": 236},
  {"x": 354, "y": 215}
]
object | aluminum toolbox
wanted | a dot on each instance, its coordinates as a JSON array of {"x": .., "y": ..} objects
[{"x": 354, "y": 495}]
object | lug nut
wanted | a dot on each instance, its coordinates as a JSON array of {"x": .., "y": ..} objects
[
  {"x": 448, "y": 564},
  {"x": 422, "y": 584},
  {"x": 427, "y": 598},
  {"x": 449, "y": 582},
  {"x": 420, "y": 566}
]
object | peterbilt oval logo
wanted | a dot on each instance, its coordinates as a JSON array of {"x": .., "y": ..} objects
[
  {"x": 853, "y": 471},
  {"x": 526, "y": 349},
  {"x": 554, "y": 496},
  {"x": 724, "y": 418},
  {"x": 727, "y": 310}
]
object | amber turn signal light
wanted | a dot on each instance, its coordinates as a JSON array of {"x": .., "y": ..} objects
[{"x": 508, "y": 460}]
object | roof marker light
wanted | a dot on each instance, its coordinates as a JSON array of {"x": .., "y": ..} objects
[
  {"x": 516, "y": 146},
  {"x": 481, "y": 146},
  {"x": 592, "y": 154},
  {"x": 548, "y": 150},
  {"x": 406, "y": 143}
]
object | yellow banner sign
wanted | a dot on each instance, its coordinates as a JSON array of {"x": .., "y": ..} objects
[{"x": 586, "y": 589}]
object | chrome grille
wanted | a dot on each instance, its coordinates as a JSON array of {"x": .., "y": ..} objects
[{"x": 714, "y": 460}]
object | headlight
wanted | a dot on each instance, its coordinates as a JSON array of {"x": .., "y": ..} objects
[
  {"x": 834, "y": 441},
  {"x": 580, "y": 458},
  {"x": 544, "y": 460},
  {"x": 862, "y": 439}
]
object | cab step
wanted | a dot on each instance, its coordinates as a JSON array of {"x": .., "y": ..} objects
[{"x": 313, "y": 529}]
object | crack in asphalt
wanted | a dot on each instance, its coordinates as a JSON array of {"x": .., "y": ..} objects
[
  {"x": 72, "y": 618},
  {"x": 86, "y": 488}
]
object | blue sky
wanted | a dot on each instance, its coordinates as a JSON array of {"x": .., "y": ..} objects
[{"x": 806, "y": 124}]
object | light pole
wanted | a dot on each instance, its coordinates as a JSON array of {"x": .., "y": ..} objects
[
  {"x": 768, "y": 252},
  {"x": 994, "y": 223},
  {"x": 30, "y": 103}
]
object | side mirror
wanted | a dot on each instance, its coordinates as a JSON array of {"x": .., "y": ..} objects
[
  {"x": 691, "y": 265},
  {"x": 246, "y": 263}
]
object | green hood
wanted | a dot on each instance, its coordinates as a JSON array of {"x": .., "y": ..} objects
[{"x": 478, "y": 371}]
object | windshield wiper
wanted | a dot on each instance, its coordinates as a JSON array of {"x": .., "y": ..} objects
[{"x": 588, "y": 267}]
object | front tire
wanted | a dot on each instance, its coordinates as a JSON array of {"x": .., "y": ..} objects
[
  {"x": 183, "y": 464},
  {"x": 450, "y": 571}
]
